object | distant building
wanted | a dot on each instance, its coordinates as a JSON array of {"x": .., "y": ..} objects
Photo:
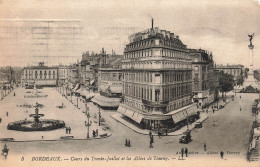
[
  {"x": 93, "y": 62},
  {"x": 235, "y": 70},
  {"x": 157, "y": 80},
  {"x": 110, "y": 88},
  {"x": 40, "y": 75},
  {"x": 63, "y": 75},
  {"x": 204, "y": 78}
]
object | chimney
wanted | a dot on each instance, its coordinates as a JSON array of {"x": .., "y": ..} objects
[{"x": 152, "y": 23}]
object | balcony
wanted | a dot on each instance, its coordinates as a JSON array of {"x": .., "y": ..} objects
[{"x": 155, "y": 104}]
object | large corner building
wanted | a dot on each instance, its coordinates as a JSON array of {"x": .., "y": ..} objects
[{"x": 157, "y": 80}]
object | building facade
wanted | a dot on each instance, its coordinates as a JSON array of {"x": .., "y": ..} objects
[
  {"x": 110, "y": 82},
  {"x": 157, "y": 80},
  {"x": 40, "y": 75},
  {"x": 204, "y": 83},
  {"x": 235, "y": 70},
  {"x": 109, "y": 88},
  {"x": 62, "y": 75}
]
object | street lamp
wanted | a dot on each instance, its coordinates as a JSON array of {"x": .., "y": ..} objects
[
  {"x": 88, "y": 124},
  {"x": 77, "y": 102},
  {"x": 99, "y": 116}
]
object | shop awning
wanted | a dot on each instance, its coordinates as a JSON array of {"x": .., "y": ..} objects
[
  {"x": 179, "y": 116},
  {"x": 134, "y": 115},
  {"x": 106, "y": 101},
  {"x": 121, "y": 110},
  {"x": 137, "y": 117},
  {"x": 192, "y": 110}
]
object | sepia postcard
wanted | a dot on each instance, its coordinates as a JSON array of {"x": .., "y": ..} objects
[{"x": 129, "y": 83}]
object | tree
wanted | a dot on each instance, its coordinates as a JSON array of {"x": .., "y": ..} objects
[
  {"x": 226, "y": 83},
  {"x": 240, "y": 80},
  {"x": 256, "y": 75}
]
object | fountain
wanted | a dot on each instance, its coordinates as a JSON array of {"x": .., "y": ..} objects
[
  {"x": 36, "y": 116},
  {"x": 36, "y": 124}
]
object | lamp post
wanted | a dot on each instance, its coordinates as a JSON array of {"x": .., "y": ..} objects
[
  {"x": 89, "y": 85},
  {"x": 87, "y": 123},
  {"x": 77, "y": 102},
  {"x": 99, "y": 116}
]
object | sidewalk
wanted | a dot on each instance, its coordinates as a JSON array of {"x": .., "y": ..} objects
[{"x": 118, "y": 117}]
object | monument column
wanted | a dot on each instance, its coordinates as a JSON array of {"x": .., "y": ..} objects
[
  {"x": 250, "y": 80},
  {"x": 251, "y": 54}
]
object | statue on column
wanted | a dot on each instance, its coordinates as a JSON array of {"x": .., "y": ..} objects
[{"x": 250, "y": 38}]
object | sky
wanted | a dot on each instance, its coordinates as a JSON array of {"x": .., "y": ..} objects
[{"x": 219, "y": 26}]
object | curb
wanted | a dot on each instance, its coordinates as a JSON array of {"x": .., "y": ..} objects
[
  {"x": 98, "y": 138},
  {"x": 153, "y": 133}
]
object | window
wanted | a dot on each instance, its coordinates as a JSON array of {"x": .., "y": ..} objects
[
  {"x": 196, "y": 76},
  {"x": 157, "y": 42},
  {"x": 196, "y": 68},
  {"x": 157, "y": 95}
]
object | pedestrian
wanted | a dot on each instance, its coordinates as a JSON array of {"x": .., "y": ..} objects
[
  {"x": 7, "y": 114},
  {"x": 207, "y": 111},
  {"x": 186, "y": 152},
  {"x": 150, "y": 133},
  {"x": 96, "y": 132},
  {"x": 14, "y": 93},
  {"x": 69, "y": 130},
  {"x": 221, "y": 154},
  {"x": 182, "y": 153},
  {"x": 66, "y": 130},
  {"x": 166, "y": 132},
  {"x": 152, "y": 139},
  {"x": 151, "y": 143},
  {"x": 240, "y": 108},
  {"x": 42, "y": 137},
  {"x": 128, "y": 143},
  {"x": 159, "y": 134},
  {"x": 240, "y": 96},
  {"x": 205, "y": 147}
]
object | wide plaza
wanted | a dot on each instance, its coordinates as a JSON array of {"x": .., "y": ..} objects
[{"x": 230, "y": 133}]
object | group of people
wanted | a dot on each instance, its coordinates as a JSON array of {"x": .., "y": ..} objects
[
  {"x": 184, "y": 151},
  {"x": 95, "y": 133},
  {"x": 127, "y": 143},
  {"x": 68, "y": 130}
]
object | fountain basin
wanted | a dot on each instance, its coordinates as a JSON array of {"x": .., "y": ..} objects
[{"x": 28, "y": 125}]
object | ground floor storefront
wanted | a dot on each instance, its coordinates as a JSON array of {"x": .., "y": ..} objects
[{"x": 170, "y": 121}]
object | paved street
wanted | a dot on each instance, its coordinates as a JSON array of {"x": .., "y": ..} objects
[{"x": 232, "y": 125}]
